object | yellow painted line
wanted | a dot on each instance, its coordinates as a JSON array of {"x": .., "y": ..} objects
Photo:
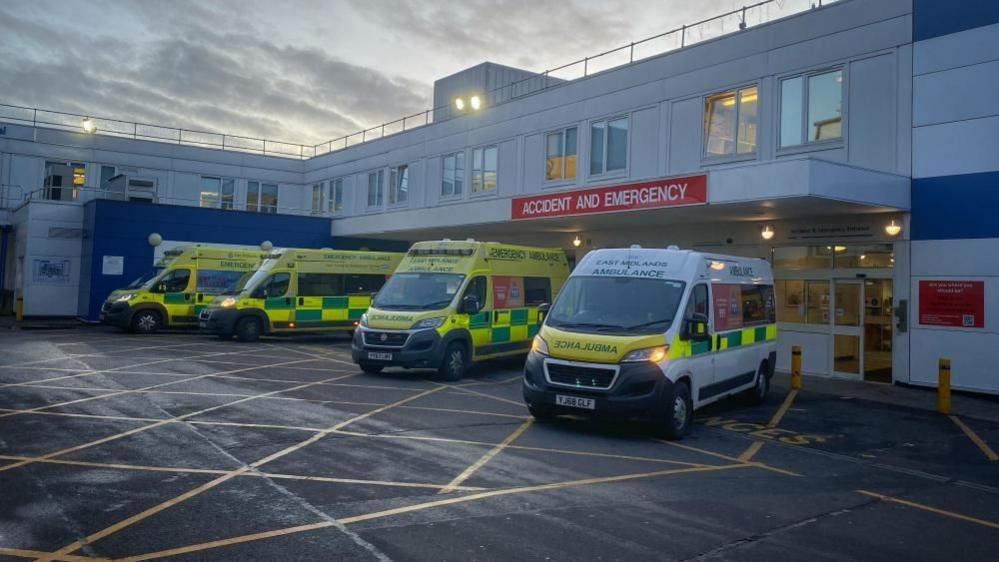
[
  {"x": 76, "y": 545},
  {"x": 750, "y": 451},
  {"x": 362, "y": 482},
  {"x": 421, "y": 506},
  {"x": 788, "y": 400},
  {"x": 42, "y": 555},
  {"x": 484, "y": 395},
  {"x": 938, "y": 511},
  {"x": 118, "y": 466},
  {"x": 468, "y": 472},
  {"x": 978, "y": 441},
  {"x": 728, "y": 458}
]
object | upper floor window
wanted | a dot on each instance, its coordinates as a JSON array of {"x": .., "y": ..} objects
[
  {"x": 317, "y": 197},
  {"x": 211, "y": 190},
  {"x": 63, "y": 180},
  {"x": 399, "y": 185},
  {"x": 107, "y": 172},
  {"x": 811, "y": 108},
  {"x": 376, "y": 188},
  {"x": 336, "y": 196},
  {"x": 730, "y": 122},
  {"x": 484, "y": 168},
  {"x": 560, "y": 154},
  {"x": 608, "y": 145},
  {"x": 453, "y": 174},
  {"x": 261, "y": 197}
]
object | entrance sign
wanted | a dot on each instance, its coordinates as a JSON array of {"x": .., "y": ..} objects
[
  {"x": 665, "y": 192},
  {"x": 952, "y": 303}
]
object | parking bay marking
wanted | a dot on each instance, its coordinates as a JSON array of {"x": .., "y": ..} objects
[
  {"x": 427, "y": 505},
  {"x": 465, "y": 474},
  {"x": 930, "y": 509},
  {"x": 978, "y": 441}
]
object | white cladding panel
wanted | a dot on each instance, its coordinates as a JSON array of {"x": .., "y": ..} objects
[{"x": 962, "y": 147}]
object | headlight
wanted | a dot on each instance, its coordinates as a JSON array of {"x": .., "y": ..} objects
[
  {"x": 228, "y": 302},
  {"x": 363, "y": 321},
  {"x": 125, "y": 298},
  {"x": 428, "y": 323},
  {"x": 539, "y": 346},
  {"x": 652, "y": 354}
]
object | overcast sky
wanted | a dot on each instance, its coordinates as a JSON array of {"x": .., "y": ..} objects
[{"x": 301, "y": 71}]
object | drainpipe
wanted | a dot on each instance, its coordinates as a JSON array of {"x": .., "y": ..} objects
[{"x": 3, "y": 252}]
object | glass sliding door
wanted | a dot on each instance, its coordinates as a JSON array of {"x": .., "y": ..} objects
[{"x": 847, "y": 321}]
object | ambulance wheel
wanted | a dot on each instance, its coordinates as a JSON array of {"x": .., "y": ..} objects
[
  {"x": 146, "y": 321},
  {"x": 455, "y": 362},
  {"x": 370, "y": 368},
  {"x": 679, "y": 412},
  {"x": 758, "y": 394},
  {"x": 248, "y": 329}
]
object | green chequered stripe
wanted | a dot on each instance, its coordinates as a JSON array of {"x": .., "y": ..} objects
[
  {"x": 699, "y": 347},
  {"x": 308, "y": 315},
  {"x": 278, "y": 303},
  {"x": 174, "y": 298},
  {"x": 734, "y": 339},
  {"x": 518, "y": 317},
  {"x": 335, "y": 302},
  {"x": 480, "y": 320},
  {"x": 355, "y": 313},
  {"x": 532, "y": 330},
  {"x": 501, "y": 334}
]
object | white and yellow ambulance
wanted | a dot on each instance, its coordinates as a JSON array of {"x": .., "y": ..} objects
[
  {"x": 452, "y": 303},
  {"x": 184, "y": 281},
  {"x": 297, "y": 291},
  {"x": 654, "y": 333}
]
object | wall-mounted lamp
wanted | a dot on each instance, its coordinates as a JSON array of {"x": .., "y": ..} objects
[
  {"x": 476, "y": 102},
  {"x": 89, "y": 125},
  {"x": 577, "y": 242},
  {"x": 154, "y": 239},
  {"x": 893, "y": 228},
  {"x": 767, "y": 232},
  {"x": 459, "y": 104},
  {"x": 266, "y": 245}
]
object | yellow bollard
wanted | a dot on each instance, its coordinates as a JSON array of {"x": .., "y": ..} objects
[
  {"x": 18, "y": 312},
  {"x": 796, "y": 367},
  {"x": 943, "y": 387}
]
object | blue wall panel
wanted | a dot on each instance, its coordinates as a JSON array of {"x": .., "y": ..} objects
[
  {"x": 955, "y": 207},
  {"x": 933, "y": 18},
  {"x": 118, "y": 228}
]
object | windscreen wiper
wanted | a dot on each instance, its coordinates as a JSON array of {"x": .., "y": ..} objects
[{"x": 649, "y": 324}]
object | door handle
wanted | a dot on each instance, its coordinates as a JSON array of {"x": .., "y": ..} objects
[
  {"x": 187, "y": 296},
  {"x": 495, "y": 316},
  {"x": 201, "y": 297},
  {"x": 301, "y": 301}
]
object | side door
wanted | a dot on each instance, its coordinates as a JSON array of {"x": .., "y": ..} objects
[
  {"x": 317, "y": 300},
  {"x": 480, "y": 324},
  {"x": 512, "y": 313},
  {"x": 702, "y": 358},
  {"x": 177, "y": 289},
  {"x": 279, "y": 304},
  {"x": 734, "y": 355}
]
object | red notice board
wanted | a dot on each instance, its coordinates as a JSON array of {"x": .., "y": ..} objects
[{"x": 952, "y": 303}]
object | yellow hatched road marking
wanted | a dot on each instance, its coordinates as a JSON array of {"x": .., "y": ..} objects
[
  {"x": 728, "y": 458},
  {"x": 978, "y": 441},
  {"x": 484, "y": 395},
  {"x": 750, "y": 451},
  {"x": 938, "y": 511},
  {"x": 788, "y": 400},
  {"x": 468, "y": 472},
  {"x": 25, "y": 553}
]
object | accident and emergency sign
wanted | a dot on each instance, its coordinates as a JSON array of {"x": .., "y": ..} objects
[{"x": 665, "y": 192}]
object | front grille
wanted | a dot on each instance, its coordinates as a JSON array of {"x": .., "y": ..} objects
[
  {"x": 580, "y": 376},
  {"x": 204, "y": 314},
  {"x": 385, "y": 339}
]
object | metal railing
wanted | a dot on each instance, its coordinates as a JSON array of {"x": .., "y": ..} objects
[{"x": 625, "y": 55}]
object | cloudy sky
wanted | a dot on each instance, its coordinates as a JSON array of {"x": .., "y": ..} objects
[{"x": 301, "y": 71}]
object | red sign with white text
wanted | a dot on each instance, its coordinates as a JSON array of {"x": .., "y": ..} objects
[
  {"x": 952, "y": 303},
  {"x": 666, "y": 192}
]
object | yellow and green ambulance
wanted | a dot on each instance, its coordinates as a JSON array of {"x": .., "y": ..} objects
[
  {"x": 654, "y": 333},
  {"x": 451, "y": 303},
  {"x": 186, "y": 279},
  {"x": 300, "y": 291}
]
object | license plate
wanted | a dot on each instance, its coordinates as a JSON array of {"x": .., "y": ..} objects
[
  {"x": 379, "y": 356},
  {"x": 575, "y": 402}
]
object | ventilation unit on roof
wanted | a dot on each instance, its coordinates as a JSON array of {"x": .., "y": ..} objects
[{"x": 133, "y": 188}]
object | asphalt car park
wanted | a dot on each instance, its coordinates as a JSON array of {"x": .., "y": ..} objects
[{"x": 178, "y": 446}]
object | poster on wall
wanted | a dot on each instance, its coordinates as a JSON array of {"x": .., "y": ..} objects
[
  {"x": 113, "y": 265},
  {"x": 952, "y": 303},
  {"x": 50, "y": 270}
]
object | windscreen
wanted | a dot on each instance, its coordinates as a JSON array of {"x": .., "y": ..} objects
[
  {"x": 418, "y": 291},
  {"x": 144, "y": 279},
  {"x": 620, "y": 305}
]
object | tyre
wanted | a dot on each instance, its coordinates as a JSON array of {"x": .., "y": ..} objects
[
  {"x": 679, "y": 413},
  {"x": 455, "y": 363},
  {"x": 758, "y": 394},
  {"x": 248, "y": 329},
  {"x": 540, "y": 413},
  {"x": 146, "y": 321},
  {"x": 370, "y": 368}
]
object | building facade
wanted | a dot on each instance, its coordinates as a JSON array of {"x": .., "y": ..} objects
[{"x": 841, "y": 143}]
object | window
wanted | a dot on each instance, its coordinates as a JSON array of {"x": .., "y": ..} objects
[
  {"x": 477, "y": 288},
  {"x": 175, "y": 281},
  {"x": 275, "y": 286},
  {"x": 698, "y": 303},
  {"x": 537, "y": 290},
  {"x": 228, "y": 200},
  {"x": 803, "y": 257},
  {"x": 484, "y": 168},
  {"x": 453, "y": 174},
  {"x": 738, "y": 306},
  {"x": 317, "y": 198},
  {"x": 758, "y": 305},
  {"x": 216, "y": 281},
  {"x": 399, "y": 185},
  {"x": 363, "y": 284},
  {"x": 608, "y": 145},
  {"x": 376, "y": 188},
  {"x": 107, "y": 172},
  {"x": 730, "y": 122},
  {"x": 560, "y": 154},
  {"x": 336, "y": 196},
  {"x": 261, "y": 197},
  {"x": 811, "y": 108},
  {"x": 319, "y": 284},
  {"x": 864, "y": 256},
  {"x": 63, "y": 180},
  {"x": 210, "y": 189}
]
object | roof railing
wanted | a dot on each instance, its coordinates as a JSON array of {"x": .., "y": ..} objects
[{"x": 625, "y": 55}]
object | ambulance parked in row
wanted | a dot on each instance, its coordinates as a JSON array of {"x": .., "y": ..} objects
[
  {"x": 184, "y": 281},
  {"x": 654, "y": 333},
  {"x": 300, "y": 291},
  {"x": 452, "y": 303}
]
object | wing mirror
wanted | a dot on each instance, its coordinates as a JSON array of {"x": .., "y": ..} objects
[
  {"x": 695, "y": 328},
  {"x": 470, "y": 305},
  {"x": 543, "y": 309}
]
